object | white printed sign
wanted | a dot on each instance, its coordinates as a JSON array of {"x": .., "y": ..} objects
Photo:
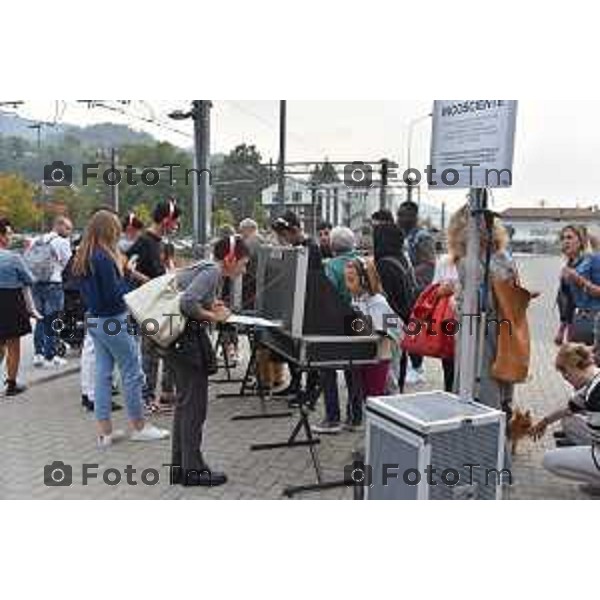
[{"x": 472, "y": 143}]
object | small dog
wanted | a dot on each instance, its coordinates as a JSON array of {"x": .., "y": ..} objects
[{"x": 520, "y": 427}]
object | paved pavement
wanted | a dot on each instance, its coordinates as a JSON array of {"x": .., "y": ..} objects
[{"x": 47, "y": 425}]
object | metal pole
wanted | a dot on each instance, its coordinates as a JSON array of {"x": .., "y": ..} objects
[
  {"x": 470, "y": 330},
  {"x": 411, "y": 128},
  {"x": 384, "y": 182},
  {"x": 113, "y": 188},
  {"x": 201, "y": 115},
  {"x": 409, "y": 160},
  {"x": 443, "y": 223},
  {"x": 282, "y": 151}
]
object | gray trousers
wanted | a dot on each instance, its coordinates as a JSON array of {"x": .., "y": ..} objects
[
  {"x": 150, "y": 364},
  {"x": 190, "y": 414}
]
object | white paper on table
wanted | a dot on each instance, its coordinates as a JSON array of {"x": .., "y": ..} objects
[{"x": 252, "y": 321}]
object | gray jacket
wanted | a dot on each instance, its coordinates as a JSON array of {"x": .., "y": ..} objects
[{"x": 200, "y": 283}]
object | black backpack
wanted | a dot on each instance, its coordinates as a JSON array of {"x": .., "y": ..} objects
[{"x": 406, "y": 290}]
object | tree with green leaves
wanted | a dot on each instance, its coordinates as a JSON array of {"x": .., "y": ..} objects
[
  {"x": 239, "y": 181},
  {"x": 324, "y": 173},
  {"x": 17, "y": 202}
]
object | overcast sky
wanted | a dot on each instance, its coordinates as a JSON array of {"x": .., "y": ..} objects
[{"x": 557, "y": 145}]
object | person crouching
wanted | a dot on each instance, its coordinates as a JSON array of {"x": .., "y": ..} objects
[{"x": 577, "y": 457}]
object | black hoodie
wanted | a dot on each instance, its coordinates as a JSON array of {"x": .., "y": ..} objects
[{"x": 395, "y": 271}]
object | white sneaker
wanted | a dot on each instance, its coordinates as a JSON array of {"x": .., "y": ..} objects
[
  {"x": 38, "y": 361},
  {"x": 56, "y": 363},
  {"x": 103, "y": 442},
  {"x": 149, "y": 433},
  {"x": 412, "y": 377}
]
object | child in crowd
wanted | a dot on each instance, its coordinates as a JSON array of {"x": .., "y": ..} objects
[
  {"x": 363, "y": 284},
  {"x": 576, "y": 458}
]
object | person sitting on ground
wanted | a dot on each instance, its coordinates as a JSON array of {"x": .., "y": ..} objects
[
  {"x": 368, "y": 299},
  {"x": 577, "y": 457},
  {"x": 187, "y": 358}
]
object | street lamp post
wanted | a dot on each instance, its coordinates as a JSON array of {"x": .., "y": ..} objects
[
  {"x": 200, "y": 114},
  {"x": 411, "y": 129}
]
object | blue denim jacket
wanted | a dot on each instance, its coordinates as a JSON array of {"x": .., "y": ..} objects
[
  {"x": 14, "y": 273},
  {"x": 589, "y": 268}
]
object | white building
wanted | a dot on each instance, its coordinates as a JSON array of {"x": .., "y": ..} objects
[
  {"x": 335, "y": 203},
  {"x": 540, "y": 227}
]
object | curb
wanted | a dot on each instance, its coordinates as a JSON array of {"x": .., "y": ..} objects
[{"x": 55, "y": 376}]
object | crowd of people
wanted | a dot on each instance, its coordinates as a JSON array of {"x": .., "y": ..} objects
[{"x": 387, "y": 275}]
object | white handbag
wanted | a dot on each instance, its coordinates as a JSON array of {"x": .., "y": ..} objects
[{"x": 156, "y": 307}]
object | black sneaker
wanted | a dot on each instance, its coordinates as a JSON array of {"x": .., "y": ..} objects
[
  {"x": 115, "y": 407},
  {"x": 565, "y": 443},
  {"x": 204, "y": 478},
  {"x": 86, "y": 403},
  {"x": 288, "y": 391},
  {"x": 14, "y": 389}
]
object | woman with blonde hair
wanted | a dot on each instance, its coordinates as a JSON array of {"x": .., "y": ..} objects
[
  {"x": 101, "y": 269},
  {"x": 579, "y": 293},
  {"x": 575, "y": 362},
  {"x": 363, "y": 283},
  {"x": 494, "y": 393},
  {"x": 577, "y": 457}
]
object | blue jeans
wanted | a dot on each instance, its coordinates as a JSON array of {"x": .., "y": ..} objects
[
  {"x": 49, "y": 299},
  {"x": 332, "y": 401},
  {"x": 114, "y": 343}
]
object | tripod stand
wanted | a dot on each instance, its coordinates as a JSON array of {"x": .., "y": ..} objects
[
  {"x": 303, "y": 425},
  {"x": 257, "y": 389},
  {"x": 221, "y": 343}
]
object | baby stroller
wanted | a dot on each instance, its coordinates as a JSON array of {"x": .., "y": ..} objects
[{"x": 72, "y": 333}]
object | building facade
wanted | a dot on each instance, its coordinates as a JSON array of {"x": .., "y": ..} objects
[{"x": 538, "y": 229}]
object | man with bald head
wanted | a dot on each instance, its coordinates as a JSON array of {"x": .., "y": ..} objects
[{"x": 48, "y": 291}]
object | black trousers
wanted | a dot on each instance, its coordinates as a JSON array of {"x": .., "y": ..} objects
[
  {"x": 448, "y": 367},
  {"x": 191, "y": 382}
]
